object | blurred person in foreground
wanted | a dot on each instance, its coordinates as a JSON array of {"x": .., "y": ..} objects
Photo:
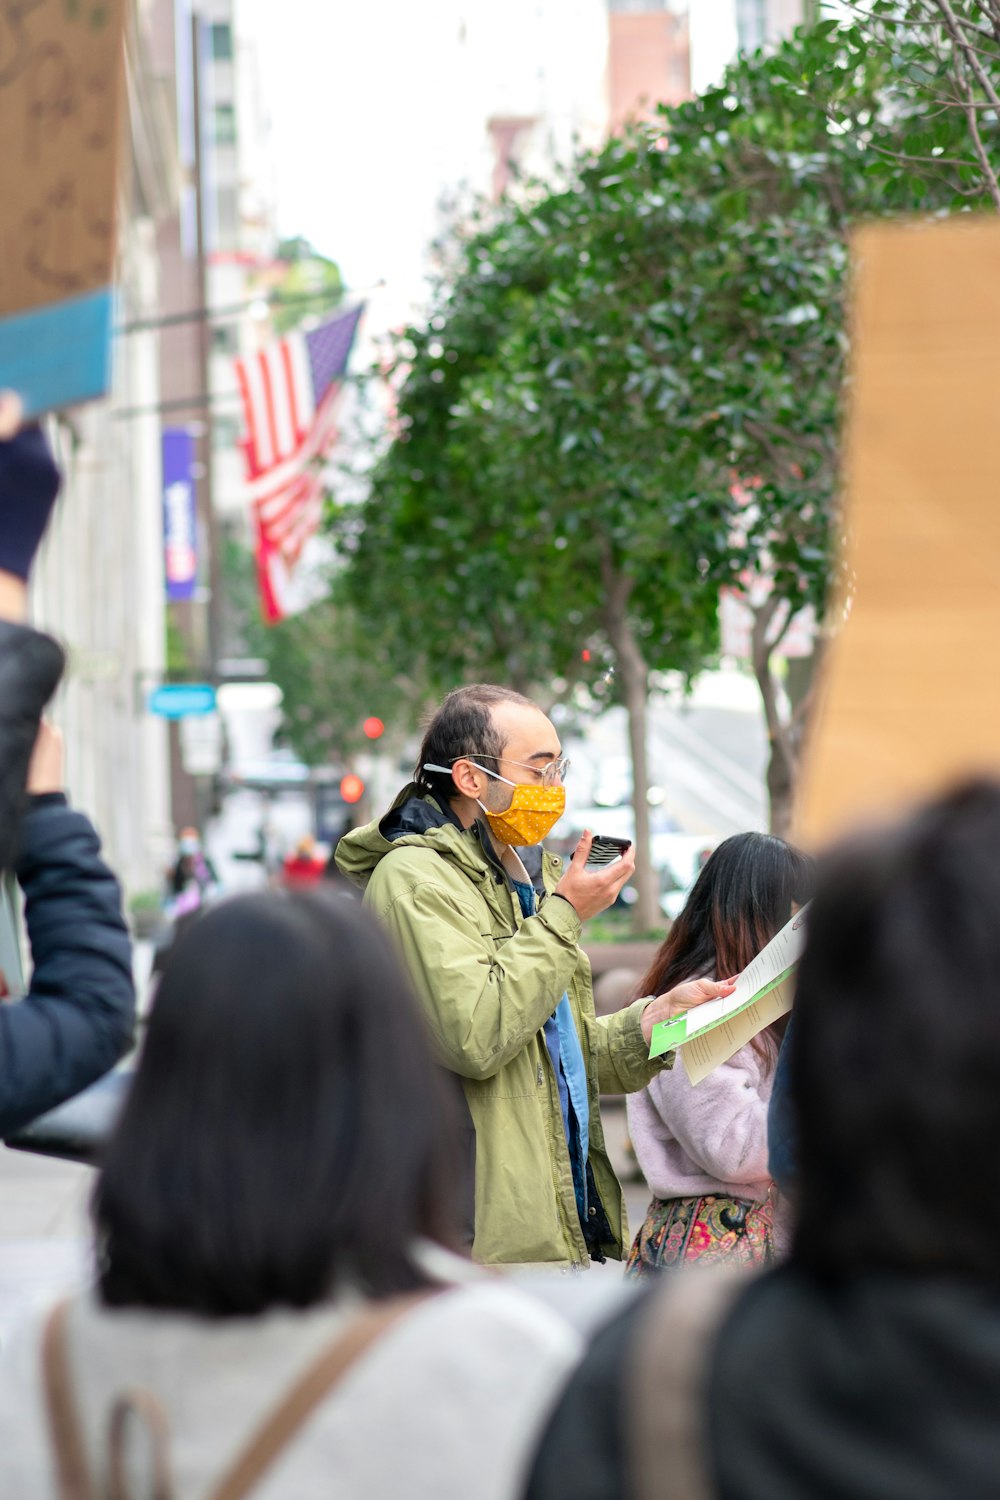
[
  {"x": 76, "y": 1019},
  {"x": 869, "y": 1365},
  {"x": 703, "y": 1148},
  {"x": 494, "y": 952},
  {"x": 272, "y": 1221}
]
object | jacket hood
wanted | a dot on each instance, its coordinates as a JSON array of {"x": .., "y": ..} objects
[{"x": 415, "y": 817}]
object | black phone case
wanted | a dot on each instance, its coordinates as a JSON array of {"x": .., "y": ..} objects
[{"x": 604, "y": 850}]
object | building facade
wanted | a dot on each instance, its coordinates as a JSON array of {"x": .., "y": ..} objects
[{"x": 98, "y": 585}]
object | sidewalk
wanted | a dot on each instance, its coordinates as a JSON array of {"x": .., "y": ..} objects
[
  {"x": 44, "y": 1226},
  {"x": 44, "y": 1240}
]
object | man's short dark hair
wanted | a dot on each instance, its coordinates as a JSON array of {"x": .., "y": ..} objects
[{"x": 463, "y": 726}]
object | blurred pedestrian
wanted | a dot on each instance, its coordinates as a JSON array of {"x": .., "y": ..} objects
[
  {"x": 703, "y": 1148},
  {"x": 305, "y": 866},
  {"x": 276, "y": 1297},
  {"x": 869, "y": 1365},
  {"x": 192, "y": 880},
  {"x": 76, "y": 1019},
  {"x": 496, "y": 960}
]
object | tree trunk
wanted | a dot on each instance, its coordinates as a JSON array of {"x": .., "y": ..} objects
[
  {"x": 784, "y": 729},
  {"x": 781, "y": 765},
  {"x": 634, "y": 681},
  {"x": 781, "y": 778}
]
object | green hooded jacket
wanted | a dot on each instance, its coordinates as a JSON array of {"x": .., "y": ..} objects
[{"x": 489, "y": 978}]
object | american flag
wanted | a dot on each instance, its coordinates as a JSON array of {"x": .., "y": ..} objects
[{"x": 289, "y": 391}]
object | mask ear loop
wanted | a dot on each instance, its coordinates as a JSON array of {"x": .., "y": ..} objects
[
  {"x": 447, "y": 770},
  {"x": 429, "y": 765}
]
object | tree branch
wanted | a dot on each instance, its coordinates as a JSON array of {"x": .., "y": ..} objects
[
  {"x": 970, "y": 54},
  {"x": 964, "y": 85}
]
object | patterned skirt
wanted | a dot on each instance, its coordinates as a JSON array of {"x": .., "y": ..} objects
[{"x": 677, "y": 1231}]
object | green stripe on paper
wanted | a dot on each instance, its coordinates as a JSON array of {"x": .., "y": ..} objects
[{"x": 669, "y": 1035}]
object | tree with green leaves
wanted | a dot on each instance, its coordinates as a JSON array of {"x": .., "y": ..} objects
[
  {"x": 610, "y": 365},
  {"x": 310, "y": 287},
  {"x": 334, "y": 671},
  {"x": 946, "y": 53}
]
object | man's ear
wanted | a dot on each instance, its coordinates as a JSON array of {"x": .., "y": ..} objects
[{"x": 467, "y": 778}]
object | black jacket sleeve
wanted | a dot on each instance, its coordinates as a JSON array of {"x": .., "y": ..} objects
[
  {"x": 583, "y": 1450},
  {"x": 77, "y": 1018}
]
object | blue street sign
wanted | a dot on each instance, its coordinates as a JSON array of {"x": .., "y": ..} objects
[{"x": 182, "y": 700}]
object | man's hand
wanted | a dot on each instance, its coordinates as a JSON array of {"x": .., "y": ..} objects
[
  {"x": 593, "y": 891},
  {"x": 45, "y": 773},
  {"x": 682, "y": 997},
  {"x": 11, "y": 414}
]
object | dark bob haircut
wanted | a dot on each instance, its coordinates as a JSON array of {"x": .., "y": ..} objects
[
  {"x": 895, "y": 1066},
  {"x": 741, "y": 899},
  {"x": 288, "y": 1131}
]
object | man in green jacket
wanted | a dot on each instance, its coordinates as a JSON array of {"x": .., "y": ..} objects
[{"x": 496, "y": 961}]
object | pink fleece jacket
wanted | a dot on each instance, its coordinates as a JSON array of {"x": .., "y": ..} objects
[{"x": 706, "y": 1139}]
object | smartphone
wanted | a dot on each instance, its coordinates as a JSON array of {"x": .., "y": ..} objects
[{"x": 605, "y": 850}]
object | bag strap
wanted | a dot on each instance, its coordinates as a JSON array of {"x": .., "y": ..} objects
[
  {"x": 668, "y": 1383},
  {"x": 284, "y": 1421},
  {"x": 271, "y": 1437},
  {"x": 140, "y": 1406},
  {"x": 72, "y": 1476}
]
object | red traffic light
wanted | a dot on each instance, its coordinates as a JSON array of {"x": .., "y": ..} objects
[
  {"x": 585, "y": 654},
  {"x": 373, "y": 728},
  {"x": 352, "y": 788}
]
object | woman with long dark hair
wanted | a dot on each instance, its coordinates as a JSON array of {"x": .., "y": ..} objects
[
  {"x": 272, "y": 1221},
  {"x": 868, "y": 1365},
  {"x": 703, "y": 1148}
]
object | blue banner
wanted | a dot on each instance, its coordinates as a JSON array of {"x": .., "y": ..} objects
[
  {"x": 58, "y": 355},
  {"x": 180, "y": 527}
]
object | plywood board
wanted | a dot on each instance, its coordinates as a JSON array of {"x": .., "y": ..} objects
[
  {"x": 61, "y": 95},
  {"x": 910, "y": 697}
]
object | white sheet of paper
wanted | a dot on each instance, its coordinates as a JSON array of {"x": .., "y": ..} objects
[
  {"x": 711, "y": 1012},
  {"x": 707, "y": 1052},
  {"x": 781, "y": 953}
]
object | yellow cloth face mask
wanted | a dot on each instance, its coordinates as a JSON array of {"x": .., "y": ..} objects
[{"x": 533, "y": 810}]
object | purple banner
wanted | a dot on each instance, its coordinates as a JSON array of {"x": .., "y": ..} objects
[{"x": 179, "y": 514}]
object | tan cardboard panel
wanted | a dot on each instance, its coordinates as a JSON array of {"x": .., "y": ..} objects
[
  {"x": 910, "y": 696},
  {"x": 61, "y": 99}
]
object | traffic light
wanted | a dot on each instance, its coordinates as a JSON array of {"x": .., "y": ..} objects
[
  {"x": 352, "y": 788},
  {"x": 373, "y": 728}
]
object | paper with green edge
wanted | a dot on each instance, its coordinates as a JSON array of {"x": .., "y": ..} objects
[{"x": 770, "y": 968}]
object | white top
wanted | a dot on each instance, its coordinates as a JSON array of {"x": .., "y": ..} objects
[{"x": 448, "y": 1404}]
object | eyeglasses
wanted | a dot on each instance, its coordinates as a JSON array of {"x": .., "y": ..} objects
[{"x": 553, "y": 772}]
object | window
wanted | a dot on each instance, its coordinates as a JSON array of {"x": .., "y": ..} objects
[
  {"x": 225, "y": 338},
  {"x": 222, "y": 41},
  {"x": 227, "y": 219},
  {"x": 224, "y": 125},
  {"x": 227, "y": 433},
  {"x": 636, "y": 7},
  {"x": 751, "y": 24}
]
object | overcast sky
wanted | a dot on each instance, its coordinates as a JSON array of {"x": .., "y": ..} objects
[
  {"x": 358, "y": 94},
  {"x": 378, "y": 106}
]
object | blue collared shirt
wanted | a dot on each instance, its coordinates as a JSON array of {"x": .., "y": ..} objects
[{"x": 566, "y": 1054}]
